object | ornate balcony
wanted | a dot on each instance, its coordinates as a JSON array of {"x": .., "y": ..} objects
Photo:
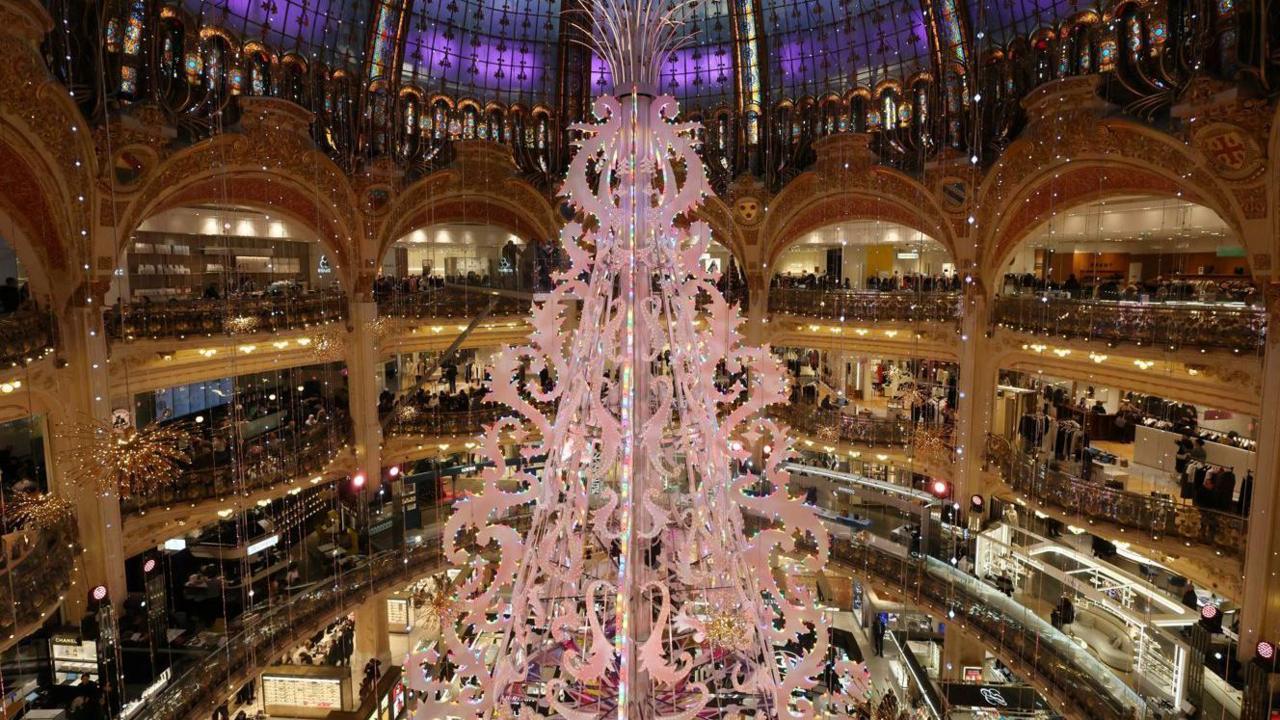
[
  {"x": 1157, "y": 516},
  {"x": 448, "y": 302},
  {"x": 835, "y": 426},
  {"x": 35, "y": 574},
  {"x": 25, "y": 335},
  {"x": 1171, "y": 325},
  {"x": 273, "y": 457},
  {"x": 865, "y": 306},
  {"x": 236, "y": 315}
]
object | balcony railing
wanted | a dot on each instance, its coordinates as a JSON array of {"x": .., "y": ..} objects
[
  {"x": 1158, "y": 516},
  {"x": 1018, "y": 634},
  {"x": 35, "y": 573},
  {"x": 448, "y": 302},
  {"x": 25, "y": 335},
  {"x": 273, "y": 457},
  {"x": 1163, "y": 325},
  {"x": 866, "y": 306},
  {"x": 235, "y": 315},
  {"x": 836, "y": 426},
  {"x": 199, "y": 690}
]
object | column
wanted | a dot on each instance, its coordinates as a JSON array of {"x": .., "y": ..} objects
[
  {"x": 362, "y": 386},
  {"x": 975, "y": 394},
  {"x": 1260, "y": 606},
  {"x": 83, "y": 384},
  {"x": 371, "y": 638}
]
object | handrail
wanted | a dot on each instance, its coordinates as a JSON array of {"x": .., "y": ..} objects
[
  {"x": 283, "y": 456},
  {"x": 233, "y": 315},
  {"x": 866, "y": 306},
  {"x": 1159, "y": 516},
  {"x": 25, "y": 335},
  {"x": 1165, "y": 325}
]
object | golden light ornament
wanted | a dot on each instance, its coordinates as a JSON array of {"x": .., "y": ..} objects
[
  {"x": 38, "y": 512},
  {"x": 379, "y": 328},
  {"x": 127, "y": 460},
  {"x": 929, "y": 442},
  {"x": 407, "y": 413},
  {"x": 437, "y": 605},
  {"x": 240, "y": 324},
  {"x": 327, "y": 342},
  {"x": 727, "y": 629}
]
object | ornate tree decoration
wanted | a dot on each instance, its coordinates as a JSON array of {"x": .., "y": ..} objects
[{"x": 644, "y": 586}]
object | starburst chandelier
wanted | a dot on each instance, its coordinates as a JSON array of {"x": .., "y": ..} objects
[
  {"x": 638, "y": 589},
  {"x": 126, "y": 460},
  {"x": 37, "y": 512}
]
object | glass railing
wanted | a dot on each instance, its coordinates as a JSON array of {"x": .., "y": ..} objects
[
  {"x": 448, "y": 302},
  {"x": 260, "y": 462},
  {"x": 1035, "y": 648},
  {"x": 1158, "y": 516},
  {"x": 234, "y": 315},
  {"x": 25, "y": 335},
  {"x": 1169, "y": 325},
  {"x": 866, "y": 306},
  {"x": 199, "y": 690},
  {"x": 36, "y": 573}
]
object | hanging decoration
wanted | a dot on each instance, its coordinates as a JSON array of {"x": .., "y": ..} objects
[
  {"x": 240, "y": 324},
  {"x": 645, "y": 584},
  {"x": 327, "y": 342},
  {"x": 126, "y": 460},
  {"x": 37, "y": 512}
]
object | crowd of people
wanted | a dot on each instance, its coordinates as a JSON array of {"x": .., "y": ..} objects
[
  {"x": 1117, "y": 287},
  {"x": 898, "y": 281}
]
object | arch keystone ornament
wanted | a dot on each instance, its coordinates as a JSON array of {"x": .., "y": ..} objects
[{"x": 638, "y": 590}]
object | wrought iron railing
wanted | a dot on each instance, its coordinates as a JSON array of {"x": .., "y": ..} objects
[
  {"x": 1163, "y": 325},
  {"x": 235, "y": 315},
  {"x": 258, "y": 463},
  {"x": 25, "y": 335},
  {"x": 866, "y": 306},
  {"x": 1157, "y": 515}
]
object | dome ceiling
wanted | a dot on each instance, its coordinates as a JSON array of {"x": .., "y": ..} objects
[{"x": 508, "y": 50}]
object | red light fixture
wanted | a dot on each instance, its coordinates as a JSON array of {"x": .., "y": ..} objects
[
  {"x": 394, "y": 471},
  {"x": 357, "y": 480},
  {"x": 1266, "y": 650},
  {"x": 100, "y": 593},
  {"x": 149, "y": 565},
  {"x": 940, "y": 488},
  {"x": 1209, "y": 612}
]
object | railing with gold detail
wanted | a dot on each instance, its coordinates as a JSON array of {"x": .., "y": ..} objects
[
  {"x": 1158, "y": 516},
  {"x": 866, "y": 306},
  {"x": 1167, "y": 326},
  {"x": 235, "y": 315},
  {"x": 25, "y": 335}
]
